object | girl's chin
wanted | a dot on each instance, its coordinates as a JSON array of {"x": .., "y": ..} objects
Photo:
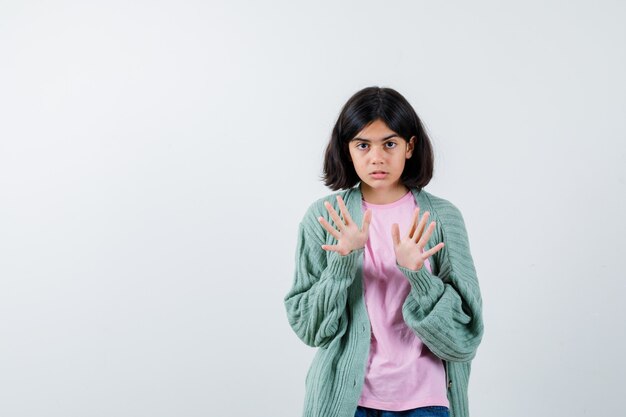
[{"x": 382, "y": 183}]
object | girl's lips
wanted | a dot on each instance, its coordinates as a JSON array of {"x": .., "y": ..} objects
[{"x": 379, "y": 175}]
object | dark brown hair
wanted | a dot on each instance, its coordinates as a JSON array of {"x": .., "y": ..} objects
[{"x": 363, "y": 108}]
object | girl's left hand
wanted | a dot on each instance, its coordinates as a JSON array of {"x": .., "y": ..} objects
[{"x": 409, "y": 250}]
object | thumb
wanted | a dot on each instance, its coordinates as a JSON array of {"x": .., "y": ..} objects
[
  {"x": 395, "y": 234},
  {"x": 367, "y": 218}
]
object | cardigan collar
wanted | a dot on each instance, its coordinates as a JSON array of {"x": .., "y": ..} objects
[{"x": 353, "y": 199}]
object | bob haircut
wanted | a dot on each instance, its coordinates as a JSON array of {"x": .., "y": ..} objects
[{"x": 363, "y": 108}]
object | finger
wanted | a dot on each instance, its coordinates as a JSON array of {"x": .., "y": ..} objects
[
  {"x": 416, "y": 214},
  {"x": 344, "y": 210},
  {"x": 422, "y": 242},
  {"x": 395, "y": 234},
  {"x": 367, "y": 218},
  {"x": 433, "y": 250},
  {"x": 420, "y": 227},
  {"x": 334, "y": 215},
  {"x": 328, "y": 227}
]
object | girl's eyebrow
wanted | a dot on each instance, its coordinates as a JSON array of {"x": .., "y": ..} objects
[{"x": 383, "y": 139}]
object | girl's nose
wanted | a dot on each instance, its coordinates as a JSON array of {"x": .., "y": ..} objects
[{"x": 378, "y": 154}]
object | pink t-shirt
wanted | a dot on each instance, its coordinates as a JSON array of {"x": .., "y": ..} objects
[{"x": 402, "y": 373}]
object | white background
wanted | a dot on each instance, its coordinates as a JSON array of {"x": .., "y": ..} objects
[{"x": 157, "y": 156}]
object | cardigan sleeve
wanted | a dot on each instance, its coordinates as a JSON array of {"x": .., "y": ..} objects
[
  {"x": 445, "y": 310},
  {"x": 316, "y": 302}
]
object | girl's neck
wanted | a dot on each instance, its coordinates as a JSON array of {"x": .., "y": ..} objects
[{"x": 383, "y": 196}]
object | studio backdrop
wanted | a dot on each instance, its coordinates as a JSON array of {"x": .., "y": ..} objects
[{"x": 156, "y": 159}]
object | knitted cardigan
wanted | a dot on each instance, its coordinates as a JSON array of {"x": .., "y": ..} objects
[{"x": 326, "y": 309}]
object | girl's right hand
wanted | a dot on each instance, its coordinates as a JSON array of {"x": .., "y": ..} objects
[{"x": 349, "y": 236}]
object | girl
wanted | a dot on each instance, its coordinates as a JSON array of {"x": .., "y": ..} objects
[{"x": 392, "y": 303}]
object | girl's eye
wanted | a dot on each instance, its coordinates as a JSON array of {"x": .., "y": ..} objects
[{"x": 388, "y": 145}]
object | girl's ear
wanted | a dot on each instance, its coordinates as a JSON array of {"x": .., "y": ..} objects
[{"x": 410, "y": 147}]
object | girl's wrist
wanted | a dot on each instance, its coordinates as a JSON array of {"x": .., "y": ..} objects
[{"x": 353, "y": 250}]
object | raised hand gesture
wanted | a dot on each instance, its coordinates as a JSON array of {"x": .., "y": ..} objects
[
  {"x": 349, "y": 236},
  {"x": 409, "y": 250}
]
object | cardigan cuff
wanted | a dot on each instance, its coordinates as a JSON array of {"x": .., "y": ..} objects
[
  {"x": 344, "y": 266},
  {"x": 421, "y": 280}
]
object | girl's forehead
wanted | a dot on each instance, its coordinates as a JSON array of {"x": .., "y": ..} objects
[{"x": 377, "y": 131}]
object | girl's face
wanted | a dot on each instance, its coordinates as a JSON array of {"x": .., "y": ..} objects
[{"x": 379, "y": 155}]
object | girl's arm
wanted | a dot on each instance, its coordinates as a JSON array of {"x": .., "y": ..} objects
[
  {"x": 445, "y": 310},
  {"x": 316, "y": 302}
]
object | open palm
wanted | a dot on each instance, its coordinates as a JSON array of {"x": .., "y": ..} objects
[
  {"x": 409, "y": 250},
  {"x": 348, "y": 234}
]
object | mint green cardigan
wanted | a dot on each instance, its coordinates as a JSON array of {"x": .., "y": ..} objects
[{"x": 326, "y": 309}]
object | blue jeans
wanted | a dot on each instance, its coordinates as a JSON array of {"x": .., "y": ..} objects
[{"x": 429, "y": 411}]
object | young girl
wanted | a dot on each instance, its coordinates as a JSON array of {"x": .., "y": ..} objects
[{"x": 391, "y": 301}]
